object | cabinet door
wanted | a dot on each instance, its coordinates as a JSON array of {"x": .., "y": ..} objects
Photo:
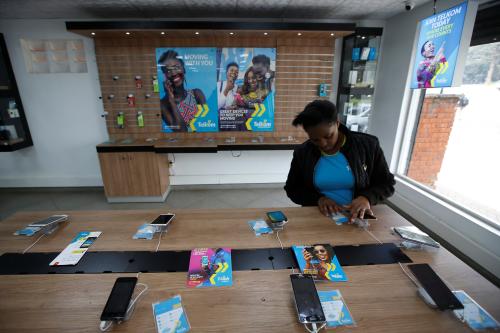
[
  {"x": 114, "y": 171},
  {"x": 143, "y": 174}
]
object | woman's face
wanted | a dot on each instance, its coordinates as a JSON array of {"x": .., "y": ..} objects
[
  {"x": 324, "y": 136},
  {"x": 321, "y": 253},
  {"x": 260, "y": 71},
  {"x": 429, "y": 49},
  {"x": 175, "y": 72},
  {"x": 252, "y": 81},
  {"x": 232, "y": 73}
]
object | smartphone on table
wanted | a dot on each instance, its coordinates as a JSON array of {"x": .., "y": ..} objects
[
  {"x": 49, "y": 220},
  {"x": 306, "y": 299},
  {"x": 119, "y": 299},
  {"x": 163, "y": 220}
]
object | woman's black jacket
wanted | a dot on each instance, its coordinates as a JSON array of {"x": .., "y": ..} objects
[{"x": 372, "y": 177}]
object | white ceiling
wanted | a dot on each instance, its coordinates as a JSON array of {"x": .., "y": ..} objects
[{"x": 140, "y": 9}]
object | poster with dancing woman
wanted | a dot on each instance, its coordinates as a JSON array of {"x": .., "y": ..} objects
[{"x": 437, "y": 48}]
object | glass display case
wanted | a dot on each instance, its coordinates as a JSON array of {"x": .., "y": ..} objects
[
  {"x": 14, "y": 131},
  {"x": 360, "y": 53}
]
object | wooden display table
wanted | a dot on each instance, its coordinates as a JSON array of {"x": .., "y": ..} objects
[{"x": 380, "y": 297}]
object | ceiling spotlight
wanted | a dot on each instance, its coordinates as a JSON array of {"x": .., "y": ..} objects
[
  {"x": 299, "y": 34},
  {"x": 231, "y": 33},
  {"x": 332, "y": 34},
  {"x": 127, "y": 33},
  {"x": 363, "y": 37},
  {"x": 196, "y": 33},
  {"x": 163, "y": 32},
  {"x": 92, "y": 33},
  {"x": 265, "y": 33}
]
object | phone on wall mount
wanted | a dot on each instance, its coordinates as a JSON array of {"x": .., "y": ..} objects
[
  {"x": 306, "y": 299},
  {"x": 119, "y": 299}
]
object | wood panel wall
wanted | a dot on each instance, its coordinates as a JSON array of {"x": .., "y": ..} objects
[{"x": 302, "y": 63}]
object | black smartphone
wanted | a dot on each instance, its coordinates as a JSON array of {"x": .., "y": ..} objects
[
  {"x": 368, "y": 216},
  {"x": 307, "y": 300},
  {"x": 435, "y": 287},
  {"x": 119, "y": 299}
]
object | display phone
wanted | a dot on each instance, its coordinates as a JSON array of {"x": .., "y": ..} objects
[
  {"x": 306, "y": 299},
  {"x": 119, "y": 299},
  {"x": 89, "y": 241},
  {"x": 49, "y": 220},
  {"x": 163, "y": 219},
  {"x": 276, "y": 216},
  {"x": 368, "y": 216},
  {"x": 413, "y": 234},
  {"x": 435, "y": 287}
]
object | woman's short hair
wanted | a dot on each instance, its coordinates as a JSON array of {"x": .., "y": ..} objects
[
  {"x": 170, "y": 54},
  {"x": 231, "y": 64},
  {"x": 315, "y": 113},
  {"x": 422, "y": 50}
]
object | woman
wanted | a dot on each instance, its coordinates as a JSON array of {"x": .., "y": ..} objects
[
  {"x": 250, "y": 93},
  {"x": 431, "y": 65},
  {"x": 318, "y": 260},
  {"x": 179, "y": 105},
  {"x": 337, "y": 169}
]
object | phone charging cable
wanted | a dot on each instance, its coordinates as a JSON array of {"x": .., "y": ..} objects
[
  {"x": 315, "y": 329},
  {"x": 106, "y": 324}
]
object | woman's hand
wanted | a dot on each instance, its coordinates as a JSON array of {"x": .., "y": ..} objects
[
  {"x": 307, "y": 255},
  {"x": 358, "y": 207},
  {"x": 328, "y": 207}
]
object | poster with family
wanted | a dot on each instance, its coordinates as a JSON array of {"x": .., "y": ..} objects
[
  {"x": 437, "y": 48},
  {"x": 216, "y": 89}
]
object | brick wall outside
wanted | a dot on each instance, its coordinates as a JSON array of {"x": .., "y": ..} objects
[{"x": 436, "y": 122}]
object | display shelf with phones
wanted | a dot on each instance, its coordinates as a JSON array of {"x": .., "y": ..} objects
[
  {"x": 14, "y": 131},
  {"x": 359, "y": 62}
]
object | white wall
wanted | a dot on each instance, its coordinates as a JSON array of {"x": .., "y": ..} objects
[{"x": 63, "y": 112}]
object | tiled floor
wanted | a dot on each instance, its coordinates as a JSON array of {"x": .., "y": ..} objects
[{"x": 14, "y": 200}]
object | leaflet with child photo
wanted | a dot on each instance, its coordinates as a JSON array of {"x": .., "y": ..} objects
[{"x": 319, "y": 261}]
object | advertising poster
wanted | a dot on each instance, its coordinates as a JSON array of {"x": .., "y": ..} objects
[
  {"x": 210, "y": 268},
  {"x": 187, "y": 82},
  {"x": 437, "y": 48},
  {"x": 245, "y": 89}
]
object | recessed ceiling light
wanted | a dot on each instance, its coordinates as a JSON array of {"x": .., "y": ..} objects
[
  {"x": 231, "y": 33},
  {"x": 196, "y": 33},
  {"x": 127, "y": 33},
  {"x": 92, "y": 33},
  {"x": 265, "y": 33},
  {"x": 363, "y": 37},
  {"x": 332, "y": 34},
  {"x": 299, "y": 34},
  {"x": 163, "y": 32}
]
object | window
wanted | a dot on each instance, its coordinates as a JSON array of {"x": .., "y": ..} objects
[{"x": 454, "y": 147}]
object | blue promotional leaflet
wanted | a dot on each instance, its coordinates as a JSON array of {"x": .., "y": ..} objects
[
  {"x": 260, "y": 227},
  {"x": 145, "y": 231},
  {"x": 473, "y": 314},
  {"x": 319, "y": 261},
  {"x": 335, "y": 309},
  {"x": 170, "y": 316}
]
